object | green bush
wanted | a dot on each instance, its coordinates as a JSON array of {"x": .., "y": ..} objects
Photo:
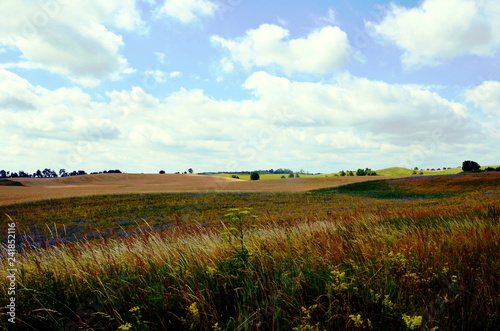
[{"x": 254, "y": 176}]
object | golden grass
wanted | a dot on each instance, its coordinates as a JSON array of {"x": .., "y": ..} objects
[{"x": 55, "y": 188}]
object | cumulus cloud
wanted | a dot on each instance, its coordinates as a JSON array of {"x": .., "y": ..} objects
[
  {"x": 439, "y": 30},
  {"x": 287, "y": 123},
  {"x": 72, "y": 39},
  {"x": 398, "y": 114},
  {"x": 188, "y": 11},
  {"x": 323, "y": 51},
  {"x": 486, "y": 97}
]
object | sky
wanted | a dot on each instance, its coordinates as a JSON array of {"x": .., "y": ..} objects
[{"x": 232, "y": 85}]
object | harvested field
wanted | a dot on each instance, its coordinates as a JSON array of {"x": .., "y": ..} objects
[{"x": 53, "y": 188}]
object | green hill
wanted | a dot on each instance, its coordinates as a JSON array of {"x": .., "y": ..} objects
[{"x": 6, "y": 182}]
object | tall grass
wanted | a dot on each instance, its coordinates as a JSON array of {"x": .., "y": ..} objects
[{"x": 388, "y": 264}]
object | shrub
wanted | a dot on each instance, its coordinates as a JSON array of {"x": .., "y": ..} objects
[
  {"x": 254, "y": 176},
  {"x": 470, "y": 166},
  {"x": 291, "y": 175}
]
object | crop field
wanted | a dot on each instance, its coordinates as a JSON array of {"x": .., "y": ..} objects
[
  {"x": 32, "y": 189},
  {"x": 319, "y": 253}
]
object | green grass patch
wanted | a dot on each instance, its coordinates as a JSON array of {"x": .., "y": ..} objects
[
  {"x": 379, "y": 189},
  {"x": 7, "y": 182}
]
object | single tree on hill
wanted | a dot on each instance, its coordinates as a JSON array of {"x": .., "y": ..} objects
[
  {"x": 190, "y": 170},
  {"x": 470, "y": 166},
  {"x": 162, "y": 172},
  {"x": 254, "y": 176}
]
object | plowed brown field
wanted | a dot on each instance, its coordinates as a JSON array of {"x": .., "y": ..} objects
[{"x": 53, "y": 188}]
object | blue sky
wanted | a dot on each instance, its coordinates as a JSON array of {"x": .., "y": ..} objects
[{"x": 228, "y": 85}]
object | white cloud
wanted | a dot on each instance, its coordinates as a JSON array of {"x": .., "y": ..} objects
[
  {"x": 69, "y": 38},
  {"x": 486, "y": 97},
  {"x": 439, "y": 30},
  {"x": 187, "y": 11},
  {"x": 399, "y": 114},
  {"x": 158, "y": 75},
  {"x": 287, "y": 123},
  {"x": 322, "y": 51},
  {"x": 330, "y": 18},
  {"x": 226, "y": 65}
]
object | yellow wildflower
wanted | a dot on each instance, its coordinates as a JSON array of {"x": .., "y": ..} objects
[
  {"x": 136, "y": 308},
  {"x": 358, "y": 321},
  {"x": 125, "y": 327},
  {"x": 193, "y": 310},
  {"x": 412, "y": 322}
]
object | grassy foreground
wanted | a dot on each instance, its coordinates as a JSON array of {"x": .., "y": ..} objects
[{"x": 409, "y": 254}]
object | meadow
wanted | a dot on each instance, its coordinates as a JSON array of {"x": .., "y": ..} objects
[{"x": 416, "y": 253}]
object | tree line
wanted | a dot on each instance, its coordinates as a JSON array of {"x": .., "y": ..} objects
[
  {"x": 359, "y": 172},
  {"x": 49, "y": 173}
]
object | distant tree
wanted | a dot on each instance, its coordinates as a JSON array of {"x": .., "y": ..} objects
[
  {"x": 39, "y": 174},
  {"x": 470, "y": 166},
  {"x": 490, "y": 169},
  {"x": 291, "y": 175},
  {"x": 190, "y": 170},
  {"x": 342, "y": 173},
  {"x": 49, "y": 173},
  {"x": 3, "y": 173},
  {"x": 350, "y": 173},
  {"x": 23, "y": 174},
  {"x": 365, "y": 172},
  {"x": 283, "y": 176},
  {"x": 254, "y": 176},
  {"x": 62, "y": 172},
  {"x": 297, "y": 176},
  {"x": 496, "y": 169},
  {"x": 414, "y": 172},
  {"x": 235, "y": 177},
  {"x": 416, "y": 168},
  {"x": 162, "y": 172}
]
